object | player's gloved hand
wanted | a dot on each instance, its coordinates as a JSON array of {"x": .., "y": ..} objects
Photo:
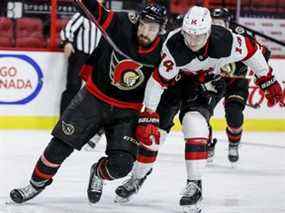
[
  {"x": 147, "y": 132},
  {"x": 271, "y": 88}
]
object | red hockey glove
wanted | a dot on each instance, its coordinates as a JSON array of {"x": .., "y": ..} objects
[
  {"x": 147, "y": 132},
  {"x": 271, "y": 88}
]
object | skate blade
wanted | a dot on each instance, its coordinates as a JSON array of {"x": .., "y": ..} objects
[
  {"x": 191, "y": 209},
  {"x": 234, "y": 165},
  {"x": 92, "y": 204},
  {"x": 121, "y": 200},
  {"x": 210, "y": 160}
]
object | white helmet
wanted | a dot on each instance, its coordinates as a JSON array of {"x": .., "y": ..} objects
[{"x": 197, "y": 21}]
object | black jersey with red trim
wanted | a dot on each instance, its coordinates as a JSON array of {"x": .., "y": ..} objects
[{"x": 116, "y": 79}]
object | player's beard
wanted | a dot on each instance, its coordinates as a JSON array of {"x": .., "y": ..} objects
[{"x": 144, "y": 41}]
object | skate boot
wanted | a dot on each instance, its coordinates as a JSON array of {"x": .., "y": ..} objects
[
  {"x": 211, "y": 150},
  {"x": 28, "y": 192},
  {"x": 233, "y": 154},
  {"x": 192, "y": 197},
  {"x": 129, "y": 188},
  {"x": 95, "y": 186}
]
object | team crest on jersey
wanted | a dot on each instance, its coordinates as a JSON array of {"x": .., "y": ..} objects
[
  {"x": 229, "y": 69},
  {"x": 68, "y": 129},
  {"x": 125, "y": 74}
]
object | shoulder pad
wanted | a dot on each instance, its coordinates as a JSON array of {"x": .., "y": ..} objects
[
  {"x": 176, "y": 46},
  {"x": 220, "y": 42}
]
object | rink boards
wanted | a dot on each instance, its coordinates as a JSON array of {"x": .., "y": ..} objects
[{"x": 31, "y": 84}]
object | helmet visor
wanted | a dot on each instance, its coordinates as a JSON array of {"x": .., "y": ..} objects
[{"x": 195, "y": 41}]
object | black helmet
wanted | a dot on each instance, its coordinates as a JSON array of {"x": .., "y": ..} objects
[
  {"x": 154, "y": 13},
  {"x": 221, "y": 13}
]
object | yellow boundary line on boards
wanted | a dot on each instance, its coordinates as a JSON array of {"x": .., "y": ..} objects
[{"x": 48, "y": 122}]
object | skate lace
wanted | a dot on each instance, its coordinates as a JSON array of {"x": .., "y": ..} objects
[
  {"x": 190, "y": 189},
  {"x": 132, "y": 183},
  {"x": 233, "y": 151},
  {"x": 28, "y": 191},
  {"x": 96, "y": 184}
]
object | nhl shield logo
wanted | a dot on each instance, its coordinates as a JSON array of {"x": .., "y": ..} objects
[{"x": 68, "y": 129}]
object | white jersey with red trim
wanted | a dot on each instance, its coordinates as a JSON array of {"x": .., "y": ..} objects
[{"x": 223, "y": 47}]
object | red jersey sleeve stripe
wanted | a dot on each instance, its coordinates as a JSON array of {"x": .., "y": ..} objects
[
  {"x": 251, "y": 48},
  {"x": 159, "y": 78}
]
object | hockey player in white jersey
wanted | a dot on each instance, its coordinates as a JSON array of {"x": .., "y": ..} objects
[
  {"x": 236, "y": 92},
  {"x": 198, "y": 47}
]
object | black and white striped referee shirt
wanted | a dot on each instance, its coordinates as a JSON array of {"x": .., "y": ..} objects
[{"x": 82, "y": 33}]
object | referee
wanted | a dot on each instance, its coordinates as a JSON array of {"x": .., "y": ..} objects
[{"x": 79, "y": 38}]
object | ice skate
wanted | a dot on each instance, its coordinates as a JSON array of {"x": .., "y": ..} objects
[
  {"x": 129, "y": 188},
  {"x": 233, "y": 154},
  {"x": 95, "y": 186},
  {"x": 211, "y": 150},
  {"x": 192, "y": 197},
  {"x": 26, "y": 193}
]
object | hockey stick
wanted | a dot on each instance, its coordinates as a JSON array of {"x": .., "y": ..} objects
[
  {"x": 84, "y": 10},
  {"x": 260, "y": 34}
]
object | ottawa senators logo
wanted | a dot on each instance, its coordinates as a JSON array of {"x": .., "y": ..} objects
[{"x": 125, "y": 74}]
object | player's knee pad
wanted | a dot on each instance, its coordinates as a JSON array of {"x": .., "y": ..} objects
[
  {"x": 120, "y": 164},
  {"x": 57, "y": 151},
  {"x": 234, "y": 113},
  {"x": 195, "y": 125}
]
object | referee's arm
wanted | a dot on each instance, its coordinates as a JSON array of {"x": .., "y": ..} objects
[{"x": 82, "y": 33}]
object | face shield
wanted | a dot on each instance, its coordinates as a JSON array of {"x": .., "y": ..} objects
[{"x": 195, "y": 41}]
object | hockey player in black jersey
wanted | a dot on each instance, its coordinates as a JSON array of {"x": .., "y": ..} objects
[
  {"x": 111, "y": 99},
  {"x": 236, "y": 93},
  {"x": 198, "y": 47}
]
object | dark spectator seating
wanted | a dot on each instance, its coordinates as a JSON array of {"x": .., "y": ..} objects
[
  {"x": 59, "y": 26},
  {"x": 6, "y": 32},
  {"x": 252, "y": 5},
  {"x": 29, "y": 33},
  {"x": 179, "y": 6}
]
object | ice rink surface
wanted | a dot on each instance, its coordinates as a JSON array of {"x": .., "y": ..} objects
[{"x": 256, "y": 185}]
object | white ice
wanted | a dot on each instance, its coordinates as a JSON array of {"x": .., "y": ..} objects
[{"x": 256, "y": 185}]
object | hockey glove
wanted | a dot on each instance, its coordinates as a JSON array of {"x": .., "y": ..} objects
[
  {"x": 147, "y": 132},
  {"x": 271, "y": 88}
]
